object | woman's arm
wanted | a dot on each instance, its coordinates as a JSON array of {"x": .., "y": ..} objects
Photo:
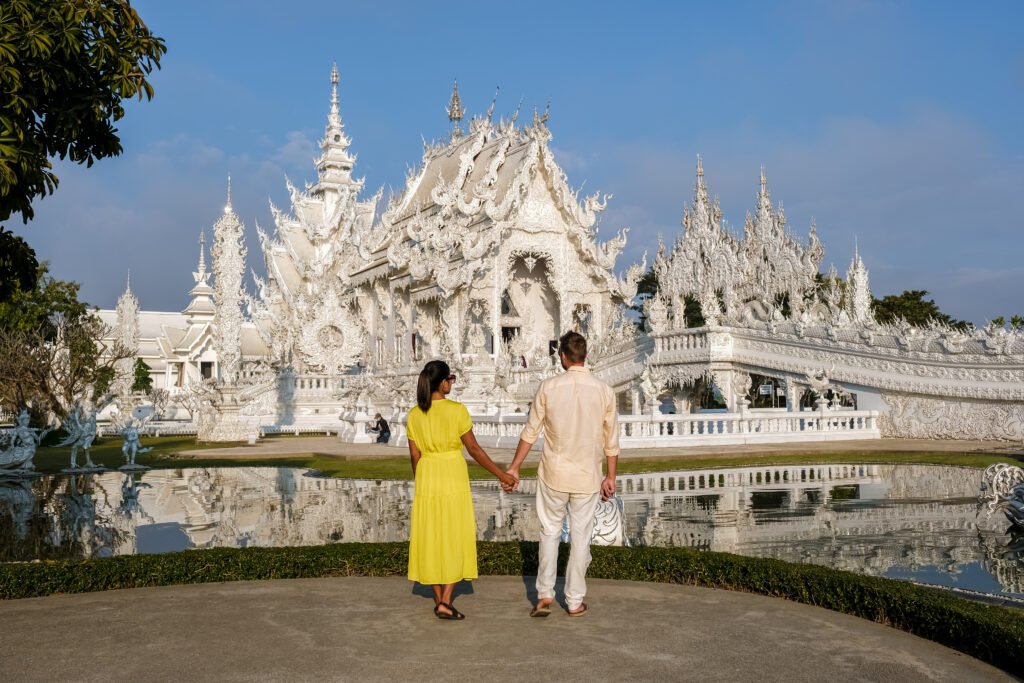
[
  {"x": 480, "y": 455},
  {"x": 414, "y": 455}
]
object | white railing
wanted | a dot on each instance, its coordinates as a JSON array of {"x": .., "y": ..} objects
[{"x": 751, "y": 427}]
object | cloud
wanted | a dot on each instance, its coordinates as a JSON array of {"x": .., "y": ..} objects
[
  {"x": 569, "y": 160},
  {"x": 298, "y": 151}
]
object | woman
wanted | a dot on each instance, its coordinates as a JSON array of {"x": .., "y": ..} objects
[{"x": 442, "y": 545}]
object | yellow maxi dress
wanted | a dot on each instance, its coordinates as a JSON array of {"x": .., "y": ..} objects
[{"x": 442, "y": 543}]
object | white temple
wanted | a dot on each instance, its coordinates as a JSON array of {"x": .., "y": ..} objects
[{"x": 488, "y": 256}]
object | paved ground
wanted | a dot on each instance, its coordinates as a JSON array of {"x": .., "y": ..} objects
[
  {"x": 380, "y": 629},
  {"x": 329, "y": 445}
]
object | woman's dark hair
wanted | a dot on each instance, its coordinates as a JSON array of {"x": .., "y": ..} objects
[{"x": 433, "y": 373}]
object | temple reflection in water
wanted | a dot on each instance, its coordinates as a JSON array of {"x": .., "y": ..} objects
[{"x": 911, "y": 521}]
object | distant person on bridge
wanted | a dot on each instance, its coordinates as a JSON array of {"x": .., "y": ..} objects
[{"x": 577, "y": 414}]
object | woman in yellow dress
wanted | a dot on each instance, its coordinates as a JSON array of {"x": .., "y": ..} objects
[{"x": 442, "y": 545}]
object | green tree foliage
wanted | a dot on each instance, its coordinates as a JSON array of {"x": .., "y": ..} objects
[
  {"x": 18, "y": 265},
  {"x": 912, "y": 306},
  {"x": 648, "y": 285},
  {"x": 38, "y": 307},
  {"x": 142, "y": 382},
  {"x": 65, "y": 68},
  {"x": 1016, "y": 322}
]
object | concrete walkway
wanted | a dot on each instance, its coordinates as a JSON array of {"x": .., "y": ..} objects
[
  {"x": 329, "y": 445},
  {"x": 381, "y": 629}
]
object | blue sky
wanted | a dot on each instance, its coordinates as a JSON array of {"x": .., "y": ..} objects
[{"x": 896, "y": 124}]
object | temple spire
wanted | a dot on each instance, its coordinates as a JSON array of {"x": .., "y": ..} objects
[
  {"x": 334, "y": 167},
  {"x": 455, "y": 111},
  {"x": 334, "y": 116},
  {"x": 227, "y": 207},
  {"x": 201, "y": 271}
]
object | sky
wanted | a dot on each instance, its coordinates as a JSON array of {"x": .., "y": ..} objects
[{"x": 895, "y": 126}]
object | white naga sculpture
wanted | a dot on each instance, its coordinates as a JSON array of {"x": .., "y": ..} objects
[
  {"x": 19, "y": 445},
  {"x": 1002, "y": 489}
]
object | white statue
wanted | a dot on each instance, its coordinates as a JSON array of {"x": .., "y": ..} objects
[
  {"x": 21, "y": 444},
  {"x": 81, "y": 428},
  {"x": 130, "y": 448}
]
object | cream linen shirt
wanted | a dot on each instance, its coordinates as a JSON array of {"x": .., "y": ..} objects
[{"x": 577, "y": 414}]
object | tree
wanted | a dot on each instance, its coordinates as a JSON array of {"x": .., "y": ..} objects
[
  {"x": 51, "y": 348},
  {"x": 143, "y": 382},
  {"x": 18, "y": 265},
  {"x": 912, "y": 306},
  {"x": 1016, "y": 322},
  {"x": 65, "y": 68},
  {"x": 50, "y": 374},
  {"x": 648, "y": 285},
  {"x": 34, "y": 308}
]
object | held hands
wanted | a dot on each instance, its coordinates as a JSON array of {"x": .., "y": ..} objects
[
  {"x": 509, "y": 480},
  {"x": 607, "y": 488}
]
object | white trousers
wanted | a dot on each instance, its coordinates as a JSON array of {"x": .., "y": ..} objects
[{"x": 551, "y": 511}]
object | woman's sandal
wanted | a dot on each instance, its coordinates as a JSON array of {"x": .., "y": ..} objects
[{"x": 455, "y": 615}]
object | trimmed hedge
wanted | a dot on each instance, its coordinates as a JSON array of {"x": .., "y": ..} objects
[{"x": 991, "y": 633}]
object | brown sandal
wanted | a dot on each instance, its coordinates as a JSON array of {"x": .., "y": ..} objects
[{"x": 580, "y": 611}]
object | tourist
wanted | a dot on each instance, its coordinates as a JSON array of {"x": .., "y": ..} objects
[
  {"x": 577, "y": 414},
  {"x": 442, "y": 543},
  {"x": 381, "y": 428}
]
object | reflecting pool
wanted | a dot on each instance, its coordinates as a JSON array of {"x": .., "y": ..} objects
[{"x": 915, "y": 522}]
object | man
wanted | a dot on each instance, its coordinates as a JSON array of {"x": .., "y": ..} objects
[
  {"x": 381, "y": 428},
  {"x": 577, "y": 414}
]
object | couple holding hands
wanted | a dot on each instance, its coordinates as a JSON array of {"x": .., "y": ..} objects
[{"x": 577, "y": 415}]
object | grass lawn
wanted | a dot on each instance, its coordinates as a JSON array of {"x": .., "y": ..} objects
[{"x": 166, "y": 454}]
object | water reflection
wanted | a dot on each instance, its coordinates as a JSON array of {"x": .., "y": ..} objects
[{"x": 908, "y": 521}]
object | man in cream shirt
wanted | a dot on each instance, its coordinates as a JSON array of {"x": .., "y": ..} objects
[{"x": 577, "y": 414}]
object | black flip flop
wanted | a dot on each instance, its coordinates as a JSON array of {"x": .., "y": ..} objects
[{"x": 455, "y": 615}]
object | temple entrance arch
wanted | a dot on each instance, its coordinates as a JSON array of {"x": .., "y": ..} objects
[{"x": 530, "y": 315}]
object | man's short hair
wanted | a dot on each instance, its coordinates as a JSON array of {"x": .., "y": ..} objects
[{"x": 574, "y": 346}]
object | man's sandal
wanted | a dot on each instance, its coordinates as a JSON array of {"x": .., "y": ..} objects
[
  {"x": 579, "y": 611},
  {"x": 455, "y": 614},
  {"x": 540, "y": 610}
]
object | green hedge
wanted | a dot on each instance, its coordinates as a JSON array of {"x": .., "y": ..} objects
[{"x": 991, "y": 633}]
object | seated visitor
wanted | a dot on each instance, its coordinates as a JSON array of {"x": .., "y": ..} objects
[{"x": 381, "y": 428}]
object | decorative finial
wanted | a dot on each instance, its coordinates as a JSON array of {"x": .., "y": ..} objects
[
  {"x": 202, "y": 253},
  {"x": 700, "y": 168},
  {"x": 334, "y": 88},
  {"x": 128, "y": 285},
  {"x": 454, "y": 108},
  {"x": 764, "y": 180},
  {"x": 227, "y": 207},
  {"x": 490, "y": 109},
  {"x": 541, "y": 120},
  {"x": 515, "y": 114}
]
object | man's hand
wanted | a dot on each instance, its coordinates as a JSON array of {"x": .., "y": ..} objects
[
  {"x": 514, "y": 473},
  {"x": 607, "y": 488}
]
